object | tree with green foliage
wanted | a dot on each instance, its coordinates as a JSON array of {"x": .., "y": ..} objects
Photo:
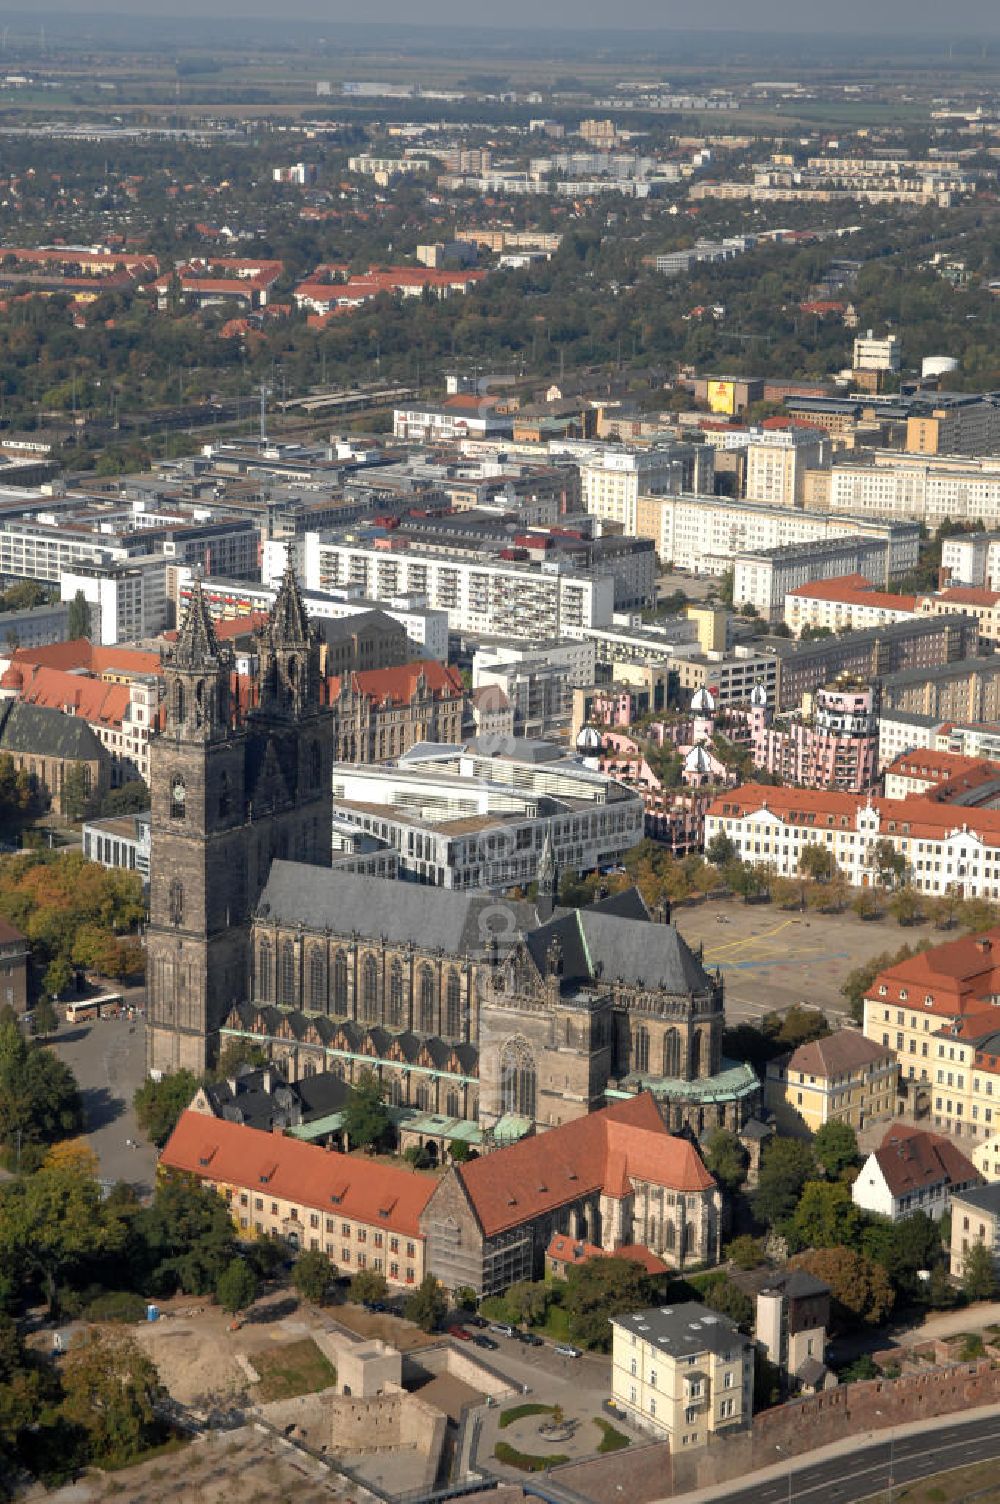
[
  {"x": 369, "y": 1285},
  {"x": 745, "y": 1251},
  {"x": 131, "y": 799},
  {"x": 111, "y": 1391},
  {"x": 39, "y": 1097},
  {"x": 905, "y": 907},
  {"x": 797, "y": 1025},
  {"x": 78, "y": 618},
  {"x": 459, "y": 1151},
  {"x": 54, "y": 1224},
  {"x": 888, "y": 864},
  {"x": 726, "y": 1158},
  {"x": 159, "y": 1104},
  {"x": 904, "y": 1248},
  {"x": 46, "y": 1018},
  {"x": 979, "y": 1275},
  {"x": 237, "y": 1286},
  {"x": 183, "y": 1239},
  {"x": 825, "y": 1216},
  {"x": 236, "y": 1053},
  {"x": 313, "y": 1276},
  {"x": 786, "y": 1165},
  {"x": 835, "y": 1146},
  {"x": 722, "y": 1294},
  {"x": 816, "y": 861},
  {"x": 466, "y": 1298},
  {"x": 720, "y": 850},
  {"x": 598, "y": 1289},
  {"x": 860, "y": 1290},
  {"x": 365, "y": 1118},
  {"x": 427, "y": 1305},
  {"x": 528, "y": 1301},
  {"x": 76, "y": 797}
]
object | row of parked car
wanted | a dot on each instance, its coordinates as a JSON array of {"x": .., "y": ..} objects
[{"x": 482, "y": 1338}]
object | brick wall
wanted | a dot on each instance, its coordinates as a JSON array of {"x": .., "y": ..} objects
[{"x": 644, "y": 1473}]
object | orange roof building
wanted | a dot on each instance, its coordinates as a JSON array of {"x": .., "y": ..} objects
[
  {"x": 945, "y": 846},
  {"x": 363, "y": 1215},
  {"x": 846, "y": 601},
  {"x": 615, "y": 1177}
]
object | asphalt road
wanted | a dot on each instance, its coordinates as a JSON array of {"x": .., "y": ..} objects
[
  {"x": 874, "y": 1468},
  {"x": 108, "y": 1058}
]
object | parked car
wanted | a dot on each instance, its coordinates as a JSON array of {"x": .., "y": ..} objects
[
  {"x": 566, "y": 1350},
  {"x": 476, "y": 1321},
  {"x": 460, "y": 1333},
  {"x": 529, "y": 1339},
  {"x": 481, "y": 1340},
  {"x": 503, "y": 1328}
]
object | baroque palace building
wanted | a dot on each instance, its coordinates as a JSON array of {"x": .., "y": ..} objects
[{"x": 473, "y": 1009}]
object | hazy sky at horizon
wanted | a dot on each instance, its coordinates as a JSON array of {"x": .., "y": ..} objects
[{"x": 975, "y": 18}]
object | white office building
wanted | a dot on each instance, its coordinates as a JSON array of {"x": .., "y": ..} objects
[
  {"x": 777, "y": 461},
  {"x": 128, "y": 597},
  {"x": 460, "y": 819},
  {"x": 764, "y": 577}
]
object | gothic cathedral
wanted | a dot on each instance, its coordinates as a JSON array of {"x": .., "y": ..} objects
[{"x": 239, "y": 774}]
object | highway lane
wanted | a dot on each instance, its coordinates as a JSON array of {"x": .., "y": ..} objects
[{"x": 845, "y": 1479}]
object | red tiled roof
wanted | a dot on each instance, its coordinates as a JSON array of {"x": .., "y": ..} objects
[
  {"x": 918, "y": 816},
  {"x": 967, "y": 595},
  {"x": 599, "y": 1152},
  {"x": 958, "y": 977},
  {"x": 97, "y": 701},
  {"x": 398, "y": 686},
  {"x": 90, "y": 656},
  {"x": 911, "y": 1159},
  {"x": 232, "y": 1154},
  {"x": 571, "y": 1251},
  {"x": 854, "y": 590},
  {"x": 938, "y": 767}
]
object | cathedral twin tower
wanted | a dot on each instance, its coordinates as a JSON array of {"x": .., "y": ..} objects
[{"x": 240, "y": 773}]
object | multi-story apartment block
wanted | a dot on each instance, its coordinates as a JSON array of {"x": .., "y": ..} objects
[
  {"x": 233, "y": 600},
  {"x": 537, "y": 680},
  {"x": 916, "y": 660},
  {"x": 460, "y": 417},
  {"x": 845, "y": 603},
  {"x": 128, "y": 597},
  {"x": 683, "y": 1373},
  {"x": 362, "y": 1215},
  {"x": 764, "y": 578},
  {"x": 955, "y": 688},
  {"x": 845, "y": 1078},
  {"x": 612, "y": 479},
  {"x": 709, "y": 534},
  {"x": 777, "y": 461},
  {"x": 487, "y": 595},
  {"x": 924, "y": 488},
  {"x": 972, "y": 559}
]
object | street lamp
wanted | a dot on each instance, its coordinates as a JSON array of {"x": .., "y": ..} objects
[
  {"x": 892, "y": 1457},
  {"x": 788, "y": 1458}
]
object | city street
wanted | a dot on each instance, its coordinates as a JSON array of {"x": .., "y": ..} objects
[
  {"x": 108, "y": 1058},
  {"x": 864, "y": 1467}
]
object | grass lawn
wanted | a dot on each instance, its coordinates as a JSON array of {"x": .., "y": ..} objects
[
  {"x": 959, "y": 1483},
  {"x": 294, "y": 1368},
  {"x": 518, "y": 1412}
]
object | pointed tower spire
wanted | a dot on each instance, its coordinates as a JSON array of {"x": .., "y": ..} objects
[
  {"x": 548, "y": 886},
  {"x": 289, "y": 621},
  {"x": 197, "y": 645}
]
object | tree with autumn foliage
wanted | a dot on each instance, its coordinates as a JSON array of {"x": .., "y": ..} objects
[{"x": 861, "y": 1290}]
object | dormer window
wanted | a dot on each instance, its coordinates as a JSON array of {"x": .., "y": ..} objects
[{"x": 903, "y": 994}]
